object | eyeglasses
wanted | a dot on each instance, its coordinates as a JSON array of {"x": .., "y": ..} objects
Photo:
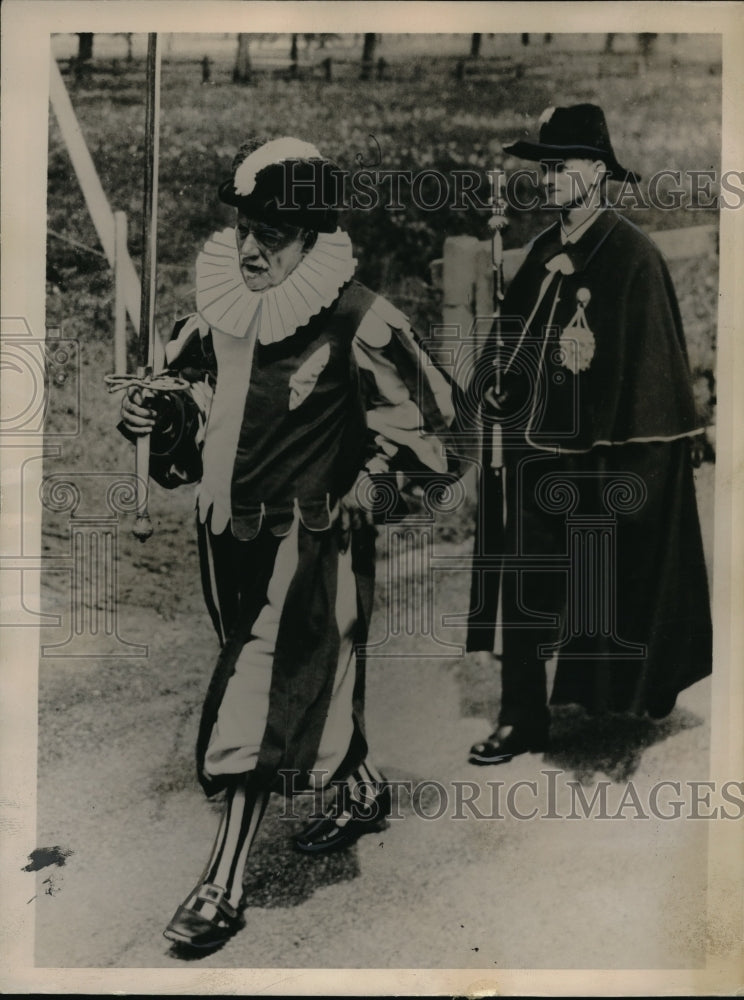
[{"x": 269, "y": 237}]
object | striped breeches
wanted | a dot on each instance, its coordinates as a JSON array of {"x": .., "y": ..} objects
[{"x": 287, "y": 691}]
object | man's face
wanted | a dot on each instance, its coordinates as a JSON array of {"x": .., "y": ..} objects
[
  {"x": 268, "y": 254},
  {"x": 571, "y": 182}
]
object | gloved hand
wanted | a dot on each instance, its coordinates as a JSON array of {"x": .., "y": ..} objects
[
  {"x": 144, "y": 411},
  {"x": 497, "y": 405}
]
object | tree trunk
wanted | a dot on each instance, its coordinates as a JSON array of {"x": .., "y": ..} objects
[
  {"x": 647, "y": 43},
  {"x": 242, "y": 68},
  {"x": 85, "y": 46},
  {"x": 368, "y": 54},
  {"x": 293, "y": 50},
  {"x": 475, "y": 44}
]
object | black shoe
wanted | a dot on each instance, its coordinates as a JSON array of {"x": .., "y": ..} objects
[
  {"x": 508, "y": 742},
  {"x": 190, "y": 928},
  {"x": 344, "y": 823}
]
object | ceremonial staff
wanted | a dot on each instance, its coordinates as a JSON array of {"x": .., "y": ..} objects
[
  {"x": 497, "y": 223},
  {"x": 146, "y": 340},
  {"x": 489, "y": 541},
  {"x": 144, "y": 378}
]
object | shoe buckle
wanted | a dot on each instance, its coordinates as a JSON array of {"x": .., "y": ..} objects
[{"x": 211, "y": 893}]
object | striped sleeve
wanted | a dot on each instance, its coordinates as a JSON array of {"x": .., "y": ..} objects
[{"x": 407, "y": 399}]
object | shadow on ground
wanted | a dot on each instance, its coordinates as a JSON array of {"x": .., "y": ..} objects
[
  {"x": 612, "y": 744},
  {"x": 277, "y": 875}
]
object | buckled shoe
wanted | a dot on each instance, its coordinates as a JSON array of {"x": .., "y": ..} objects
[
  {"x": 345, "y": 822},
  {"x": 190, "y": 927}
]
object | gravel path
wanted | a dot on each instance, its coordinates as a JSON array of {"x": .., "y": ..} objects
[{"x": 117, "y": 791}]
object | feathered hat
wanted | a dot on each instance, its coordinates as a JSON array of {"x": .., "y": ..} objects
[
  {"x": 578, "y": 131},
  {"x": 283, "y": 182}
]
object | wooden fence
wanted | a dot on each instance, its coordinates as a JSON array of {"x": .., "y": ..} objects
[
  {"x": 465, "y": 275},
  {"x": 110, "y": 226}
]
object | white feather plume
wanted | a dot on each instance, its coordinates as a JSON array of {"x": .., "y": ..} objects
[{"x": 274, "y": 151}]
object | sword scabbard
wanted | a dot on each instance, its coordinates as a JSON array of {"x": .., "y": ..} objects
[{"x": 146, "y": 340}]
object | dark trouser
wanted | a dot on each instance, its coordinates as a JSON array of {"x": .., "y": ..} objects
[{"x": 605, "y": 568}]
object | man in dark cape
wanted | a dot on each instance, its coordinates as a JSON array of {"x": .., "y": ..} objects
[{"x": 603, "y": 560}]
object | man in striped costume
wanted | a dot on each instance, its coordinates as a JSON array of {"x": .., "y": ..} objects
[{"x": 308, "y": 394}]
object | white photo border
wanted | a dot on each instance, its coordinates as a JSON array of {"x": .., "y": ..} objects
[{"x": 26, "y": 30}]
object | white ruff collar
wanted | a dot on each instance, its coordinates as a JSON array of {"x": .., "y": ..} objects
[{"x": 226, "y": 303}]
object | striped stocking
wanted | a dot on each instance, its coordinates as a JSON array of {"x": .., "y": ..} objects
[
  {"x": 244, "y": 809},
  {"x": 365, "y": 783}
]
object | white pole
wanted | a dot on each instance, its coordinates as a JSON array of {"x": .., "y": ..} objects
[
  {"x": 95, "y": 197},
  {"x": 120, "y": 303}
]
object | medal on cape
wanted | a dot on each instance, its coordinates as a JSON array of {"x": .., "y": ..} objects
[{"x": 577, "y": 340}]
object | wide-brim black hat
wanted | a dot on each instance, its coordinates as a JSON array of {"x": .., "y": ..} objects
[
  {"x": 288, "y": 190},
  {"x": 579, "y": 132}
]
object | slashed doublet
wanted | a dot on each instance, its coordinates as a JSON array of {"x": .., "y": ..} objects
[{"x": 276, "y": 429}]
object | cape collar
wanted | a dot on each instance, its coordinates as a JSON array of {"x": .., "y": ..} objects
[
  {"x": 574, "y": 235},
  {"x": 548, "y": 244},
  {"x": 226, "y": 303}
]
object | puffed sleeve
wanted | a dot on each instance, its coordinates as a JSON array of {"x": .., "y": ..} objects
[
  {"x": 178, "y": 437},
  {"x": 408, "y": 399}
]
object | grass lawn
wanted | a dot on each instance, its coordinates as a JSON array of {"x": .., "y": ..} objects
[{"x": 662, "y": 113}]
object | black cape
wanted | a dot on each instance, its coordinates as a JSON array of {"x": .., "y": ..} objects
[{"x": 595, "y": 378}]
